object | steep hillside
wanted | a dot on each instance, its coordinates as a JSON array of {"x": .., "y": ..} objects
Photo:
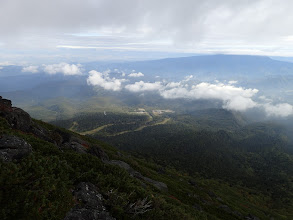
[{"x": 52, "y": 173}]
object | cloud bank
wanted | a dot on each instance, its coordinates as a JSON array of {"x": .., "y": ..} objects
[
  {"x": 233, "y": 97},
  {"x": 103, "y": 80},
  {"x": 196, "y": 26},
  {"x": 142, "y": 86},
  {"x": 139, "y": 74},
  {"x": 65, "y": 68},
  {"x": 278, "y": 110},
  {"x": 30, "y": 69}
]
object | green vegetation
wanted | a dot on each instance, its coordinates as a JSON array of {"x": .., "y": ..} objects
[
  {"x": 210, "y": 174},
  {"x": 256, "y": 160},
  {"x": 217, "y": 146},
  {"x": 39, "y": 187}
]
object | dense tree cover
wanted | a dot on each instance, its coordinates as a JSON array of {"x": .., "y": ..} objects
[
  {"x": 40, "y": 186},
  {"x": 215, "y": 143},
  {"x": 251, "y": 156}
]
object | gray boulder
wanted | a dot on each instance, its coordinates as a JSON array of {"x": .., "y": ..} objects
[
  {"x": 90, "y": 204},
  {"x": 21, "y": 120},
  {"x": 13, "y": 148},
  {"x": 159, "y": 185},
  {"x": 5, "y": 102},
  {"x": 132, "y": 172},
  {"x": 17, "y": 118},
  {"x": 251, "y": 217},
  {"x": 77, "y": 147}
]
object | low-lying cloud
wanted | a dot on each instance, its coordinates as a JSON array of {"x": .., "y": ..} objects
[
  {"x": 278, "y": 110},
  {"x": 142, "y": 86},
  {"x": 104, "y": 80},
  {"x": 139, "y": 74},
  {"x": 64, "y": 68},
  {"x": 30, "y": 69},
  {"x": 233, "y": 97}
]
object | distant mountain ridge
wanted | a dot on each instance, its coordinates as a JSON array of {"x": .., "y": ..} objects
[{"x": 245, "y": 65}]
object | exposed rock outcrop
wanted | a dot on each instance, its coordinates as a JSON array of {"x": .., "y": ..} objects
[
  {"x": 16, "y": 117},
  {"x": 251, "y": 217},
  {"x": 21, "y": 120},
  {"x": 70, "y": 141},
  {"x": 90, "y": 204},
  {"x": 159, "y": 185},
  {"x": 13, "y": 148}
]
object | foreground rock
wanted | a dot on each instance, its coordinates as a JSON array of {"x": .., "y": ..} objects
[
  {"x": 21, "y": 120},
  {"x": 13, "y": 148},
  {"x": 159, "y": 185},
  {"x": 251, "y": 217},
  {"x": 90, "y": 204},
  {"x": 16, "y": 117}
]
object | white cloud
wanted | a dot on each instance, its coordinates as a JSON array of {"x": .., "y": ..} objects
[
  {"x": 239, "y": 103},
  {"x": 1, "y": 67},
  {"x": 31, "y": 69},
  {"x": 65, "y": 68},
  {"x": 173, "y": 84},
  {"x": 234, "y": 98},
  {"x": 139, "y": 74},
  {"x": 103, "y": 80},
  {"x": 142, "y": 86},
  {"x": 233, "y": 82},
  {"x": 278, "y": 110}
]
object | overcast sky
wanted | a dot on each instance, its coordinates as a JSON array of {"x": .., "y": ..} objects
[{"x": 124, "y": 29}]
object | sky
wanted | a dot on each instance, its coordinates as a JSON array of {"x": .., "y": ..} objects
[
  {"x": 58, "y": 36},
  {"x": 102, "y": 30}
]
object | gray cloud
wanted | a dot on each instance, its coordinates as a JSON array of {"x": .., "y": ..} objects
[{"x": 209, "y": 26}]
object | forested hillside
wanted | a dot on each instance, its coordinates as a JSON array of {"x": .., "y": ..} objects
[
  {"x": 51, "y": 173},
  {"x": 212, "y": 144}
]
